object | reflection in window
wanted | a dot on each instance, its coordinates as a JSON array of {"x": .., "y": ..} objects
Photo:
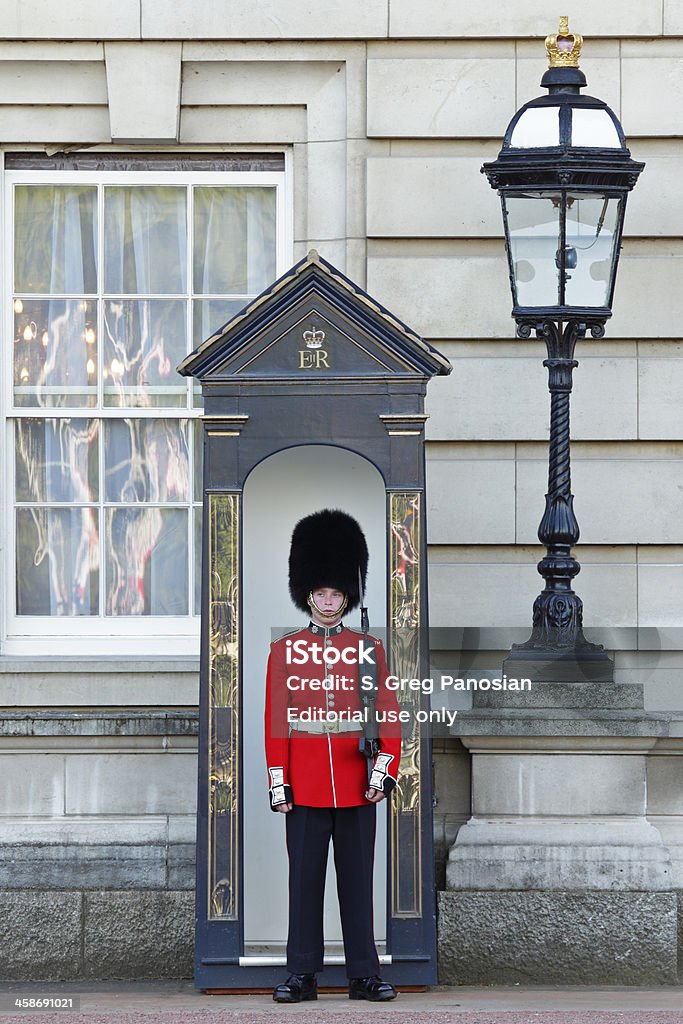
[
  {"x": 56, "y": 460},
  {"x": 146, "y": 561},
  {"x": 57, "y": 561},
  {"x": 146, "y": 461},
  {"x": 55, "y": 353},
  {"x": 198, "y": 560},
  {"x": 142, "y": 345},
  {"x": 115, "y": 280},
  {"x": 58, "y": 550}
]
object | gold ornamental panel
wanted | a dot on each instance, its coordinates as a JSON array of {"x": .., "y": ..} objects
[
  {"x": 224, "y": 705},
  {"x": 405, "y": 509}
]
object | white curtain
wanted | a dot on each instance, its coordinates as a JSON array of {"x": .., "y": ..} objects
[{"x": 57, "y": 548}]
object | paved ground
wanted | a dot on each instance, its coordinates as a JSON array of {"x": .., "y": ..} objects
[{"x": 179, "y": 1003}]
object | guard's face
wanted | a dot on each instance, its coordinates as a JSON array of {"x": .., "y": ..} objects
[{"x": 329, "y": 599}]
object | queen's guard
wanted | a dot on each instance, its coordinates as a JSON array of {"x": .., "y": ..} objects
[{"x": 333, "y": 747}]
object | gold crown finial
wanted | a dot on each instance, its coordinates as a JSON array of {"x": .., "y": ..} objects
[{"x": 564, "y": 49}]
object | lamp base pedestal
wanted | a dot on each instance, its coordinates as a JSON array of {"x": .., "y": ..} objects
[{"x": 543, "y": 666}]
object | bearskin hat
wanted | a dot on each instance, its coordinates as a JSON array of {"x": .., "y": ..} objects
[{"x": 328, "y": 548}]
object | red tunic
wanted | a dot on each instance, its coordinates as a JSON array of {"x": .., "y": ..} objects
[{"x": 325, "y": 768}]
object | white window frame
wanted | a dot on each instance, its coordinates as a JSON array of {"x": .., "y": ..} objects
[{"x": 100, "y": 634}]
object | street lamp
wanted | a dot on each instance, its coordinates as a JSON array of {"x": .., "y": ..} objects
[{"x": 563, "y": 176}]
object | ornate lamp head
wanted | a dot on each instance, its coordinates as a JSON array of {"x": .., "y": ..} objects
[{"x": 563, "y": 175}]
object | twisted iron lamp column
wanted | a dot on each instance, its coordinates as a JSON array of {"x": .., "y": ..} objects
[{"x": 558, "y": 611}]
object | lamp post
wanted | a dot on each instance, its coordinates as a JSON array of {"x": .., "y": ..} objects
[{"x": 563, "y": 175}]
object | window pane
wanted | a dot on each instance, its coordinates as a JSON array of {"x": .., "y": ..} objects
[
  {"x": 209, "y": 315},
  {"x": 143, "y": 343},
  {"x": 55, "y": 239},
  {"x": 57, "y": 561},
  {"x": 56, "y": 460},
  {"x": 55, "y": 353},
  {"x": 145, "y": 237},
  {"x": 146, "y": 561},
  {"x": 197, "y": 561},
  {"x": 234, "y": 240},
  {"x": 198, "y": 461},
  {"x": 146, "y": 461}
]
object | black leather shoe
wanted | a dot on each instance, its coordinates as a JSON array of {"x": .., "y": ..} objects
[
  {"x": 374, "y": 989},
  {"x": 299, "y": 988}
]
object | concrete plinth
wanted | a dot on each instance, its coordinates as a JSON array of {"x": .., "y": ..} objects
[
  {"x": 557, "y": 938},
  {"x": 555, "y": 855},
  {"x": 558, "y": 876}
]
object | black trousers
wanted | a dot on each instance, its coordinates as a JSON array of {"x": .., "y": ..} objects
[{"x": 352, "y": 830}]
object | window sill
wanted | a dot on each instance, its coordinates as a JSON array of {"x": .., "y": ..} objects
[{"x": 25, "y": 664}]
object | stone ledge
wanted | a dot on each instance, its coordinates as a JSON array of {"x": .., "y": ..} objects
[
  {"x": 576, "y": 695},
  {"x": 557, "y": 938},
  {"x": 561, "y": 667},
  {"x": 130, "y": 866},
  {"x": 547, "y": 722},
  {"x": 183, "y": 722}
]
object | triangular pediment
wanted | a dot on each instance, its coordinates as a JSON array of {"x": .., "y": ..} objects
[{"x": 313, "y": 323}]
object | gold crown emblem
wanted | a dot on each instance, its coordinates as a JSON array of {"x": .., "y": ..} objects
[
  {"x": 314, "y": 338},
  {"x": 564, "y": 49}
]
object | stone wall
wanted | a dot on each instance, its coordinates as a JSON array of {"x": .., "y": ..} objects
[
  {"x": 386, "y": 110},
  {"x": 97, "y": 820},
  {"x": 386, "y": 116}
]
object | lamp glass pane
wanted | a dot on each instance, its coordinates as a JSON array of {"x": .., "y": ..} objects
[
  {"x": 537, "y": 127},
  {"x": 591, "y": 233},
  {"x": 594, "y": 128},
  {"x": 533, "y": 229}
]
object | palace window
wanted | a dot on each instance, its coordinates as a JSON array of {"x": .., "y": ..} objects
[{"x": 113, "y": 275}]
